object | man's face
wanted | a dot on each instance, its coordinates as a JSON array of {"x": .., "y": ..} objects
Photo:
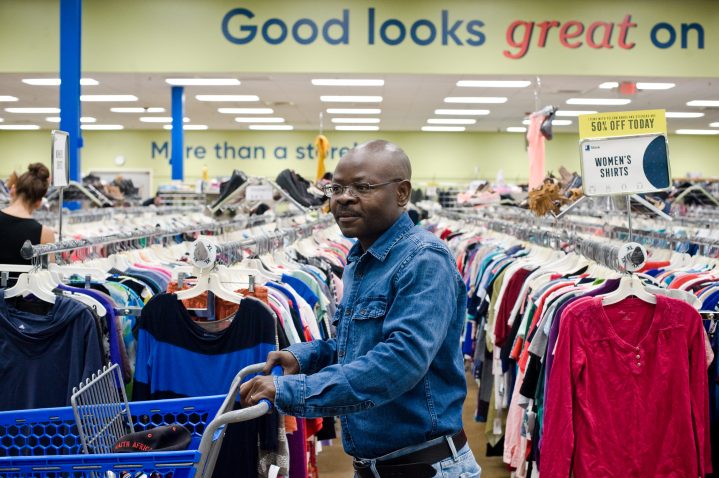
[{"x": 364, "y": 216}]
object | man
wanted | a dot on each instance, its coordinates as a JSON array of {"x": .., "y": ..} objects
[{"x": 394, "y": 374}]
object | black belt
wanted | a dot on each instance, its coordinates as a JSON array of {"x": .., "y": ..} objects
[{"x": 417, "y": 464}]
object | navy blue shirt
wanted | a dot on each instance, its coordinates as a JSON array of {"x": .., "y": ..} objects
[{"x": 45, "y": 351}]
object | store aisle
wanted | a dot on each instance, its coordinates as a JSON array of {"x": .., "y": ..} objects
[{"x": 334, "y": 463}]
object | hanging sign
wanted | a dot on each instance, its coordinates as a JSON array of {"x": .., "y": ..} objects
[
  {"x": 624, "y": 152},
  {"x": 261, "y": 192},
  {"x": 58, "y": 159}
]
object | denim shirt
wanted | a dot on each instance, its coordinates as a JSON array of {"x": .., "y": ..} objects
[{"x": 395, "y": 372}]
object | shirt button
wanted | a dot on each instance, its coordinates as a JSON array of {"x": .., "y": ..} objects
[
  {"x": 347, "y": 312},
  {"x": 341, "y": 353},
  {"x": 638, "y": 357},
  {"x": 639, "y": 364},
  {"x": 363, "y": 311}
]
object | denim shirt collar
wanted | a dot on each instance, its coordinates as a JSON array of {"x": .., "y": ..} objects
[{"x": 386, "y": 241}]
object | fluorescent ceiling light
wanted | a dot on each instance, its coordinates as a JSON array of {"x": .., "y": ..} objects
[
  {"x": 57, "y": 81},
  {"x": 355, "y": 120},
  {"x": 246, "y": 111},
  {"x": 555, "y": 122},
  {"x": 342, "y": 82},
  {"x": 117, "y": 98},
  {"x": 351, "y": 99},
  {"x": 42, "y": 81},
  {"x": 574, "y": 112},
  {"x": 516, "y": 129},
  {"x": 1, "y": 120},
  {"x": 684, "y": 114},
  {"x": 356, "y": 128},
  {"x": 33, "y": 110},
  {"x": 246, "y": 98},
  {"x": 599, "y": 101},
  {"x": 260, "y": 120},
  {"x": 160, "y": 119},
  {"x": 654, "y": 86},
  {"x": 8, "y": 98},
  {"x": 84, "y": 119},
  {"x": 713, "y": 125},
  {"x": 697, "y": 131},
  {"x": 19, "y": 127},
  {"x": 189, "y": 127},
  {"x": 476, "y": 99},
  {"x": 108, "y": 127},
  {"x": 354, "y": 111},
  {"x": 451, "y": 121},
  {"x": 134, "y": 109},
  {"x": 202, "y": 81},
  {"x": 493, "y": 84},
  {"x": 706, "y": 103},
  {"x": 608, "y": 85},
  {"x": 271, "y": 127},
  {"x": 443, "y": 128},
  {"x": 461, "y": 112}
]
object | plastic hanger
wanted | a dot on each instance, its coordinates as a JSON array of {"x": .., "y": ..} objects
[
  {"x": 629, "y": 285},
  {"x": 210, "y": 282},
  {"x": 30, "y": 283}
]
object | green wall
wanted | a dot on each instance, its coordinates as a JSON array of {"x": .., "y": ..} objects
[{"x": 444, "y": 157}]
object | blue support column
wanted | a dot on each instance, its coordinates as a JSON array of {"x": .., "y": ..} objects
[
  {"x": 178, "y": 133},
  {"x": 70, "y": 58}
]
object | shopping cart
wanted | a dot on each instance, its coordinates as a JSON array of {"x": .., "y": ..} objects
[{"x": 45, "y": 443}]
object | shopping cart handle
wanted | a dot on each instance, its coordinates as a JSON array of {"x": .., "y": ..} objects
[{"x": 268, "y": 403}]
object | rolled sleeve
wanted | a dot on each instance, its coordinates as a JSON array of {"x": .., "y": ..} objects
[{"x": 290, "y": 394}]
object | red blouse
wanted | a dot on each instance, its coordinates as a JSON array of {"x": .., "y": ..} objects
[{"x": 628, "y": 393}]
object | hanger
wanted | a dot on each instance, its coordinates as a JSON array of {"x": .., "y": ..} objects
[
  {"x": 30, "y": 283},
  {"x": 629, "y": 285},
  {"x": 210, "y": 282}
]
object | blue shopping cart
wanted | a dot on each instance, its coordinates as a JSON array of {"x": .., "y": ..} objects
[{"x": 46, "y": 443}]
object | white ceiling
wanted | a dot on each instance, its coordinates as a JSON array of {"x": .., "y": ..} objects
[{"x": 408, "y": 100}]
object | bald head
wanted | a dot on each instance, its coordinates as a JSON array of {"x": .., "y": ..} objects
[
  {"x": 368, "y": 212},
  {"x": 386, "y": 160}
]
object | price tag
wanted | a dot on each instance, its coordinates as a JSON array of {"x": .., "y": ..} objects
[
  {"x": 262, "y": 192},
  {"x": 59, "y": 160}
]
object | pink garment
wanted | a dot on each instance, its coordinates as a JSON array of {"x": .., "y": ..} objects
[
  {"x": 628, "y": 393},
  {"x": 535, "y": 151},
  {"x": 513, "y": 450},
  {"x": 164, "y": 272}
]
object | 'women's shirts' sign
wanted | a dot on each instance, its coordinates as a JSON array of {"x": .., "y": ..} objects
[{"x": 624, "y": 152}]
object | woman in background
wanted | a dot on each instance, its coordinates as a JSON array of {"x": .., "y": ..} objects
[{"x": 16, "y": 222}]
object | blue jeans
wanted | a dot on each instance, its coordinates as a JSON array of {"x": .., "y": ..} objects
[{"x": 460, "y": 465}]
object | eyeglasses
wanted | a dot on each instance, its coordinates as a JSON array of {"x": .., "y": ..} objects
[{"x": 355, "y": 189}]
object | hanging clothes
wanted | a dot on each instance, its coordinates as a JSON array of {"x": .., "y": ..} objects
[{"x": 46, "y": 350}]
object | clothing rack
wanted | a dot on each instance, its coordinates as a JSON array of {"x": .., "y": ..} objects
[
  {"x": 94, "y": 215},
  {"x": 31, "y": 252},
  {"x": 271, "y": 241},
  {"x": 602, "y": 253}
]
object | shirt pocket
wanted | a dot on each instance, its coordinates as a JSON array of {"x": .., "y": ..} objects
[{"x": 366, "y": 326}]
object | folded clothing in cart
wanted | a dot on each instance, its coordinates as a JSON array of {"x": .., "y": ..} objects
[{"x": 164, "y": 438}]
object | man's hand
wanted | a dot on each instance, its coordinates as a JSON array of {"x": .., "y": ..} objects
[
  {"x": 256, "y": 389},
  {"x": 286, "y": 360},
  {"x": 264, "y": 387}
]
